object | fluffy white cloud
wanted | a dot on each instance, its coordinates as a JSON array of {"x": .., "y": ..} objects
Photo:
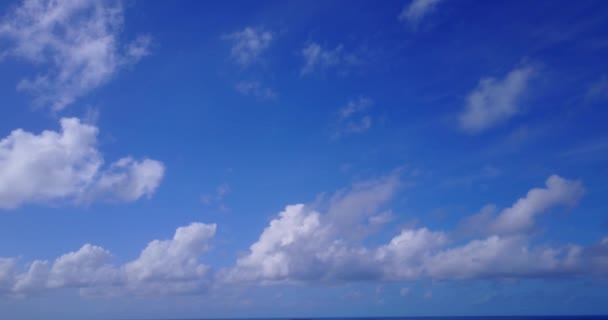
[
  {"x": 175, "y": 262},
  {"x": 317, "y": 58},
  {"x": 519, "y": 218},
  {"x": 164, "y": 266},
  {"x": 416, "y": 10},
  {"x": 128, "y": 179},
  {"x": 77, "y": 40},
  {"x": 315, "y": 244},
  {"x": 248, "y": 44},
  {"x": 354, "y": 117},
  {"x": 66, "y": 165},
  {"x": 494, "y": 101},
  {"x": 500, "y": 257},
  {"x": 302, "y": 244}
]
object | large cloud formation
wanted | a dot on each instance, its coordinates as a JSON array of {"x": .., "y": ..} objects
[
  {"x": 66, "y": 165},
  {"x": 304, "y": 245},
  {"x": 325, "y": 242}
]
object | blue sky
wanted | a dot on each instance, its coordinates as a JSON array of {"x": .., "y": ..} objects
[{"x": 237, "y": 159}]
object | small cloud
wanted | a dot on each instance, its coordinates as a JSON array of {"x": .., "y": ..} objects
[
  {"x": 416, "y": 10},
  {"x": 405, "y": 291},
  {"x": 248, "y": 45},
  {"x": 318, "y": 58},
  {"x": 256, "y": 89},
  {"x": 494, "y": 101},
  {"x": 354, "y": 117},
  {"x": 217, "y": 197}
]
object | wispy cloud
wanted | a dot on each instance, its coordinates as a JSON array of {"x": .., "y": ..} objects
[
  {"x": 77, "y": 41},
  {"x": 256, "y": 89},
  {"x": 317, "y": 58},
  {"x": 248, "y": 45},
  {"x": 216, "y": 198},
  {"x": 416, "y": 10},
  {"x": 494, "y": 101},
  {"x": 354, "y": 117}
]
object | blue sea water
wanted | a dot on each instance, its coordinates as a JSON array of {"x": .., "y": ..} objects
[{"x": 568, "y": 317}]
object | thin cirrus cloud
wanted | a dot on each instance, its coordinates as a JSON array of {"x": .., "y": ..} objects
[
  {"x": 314, "y": 244},
  {"x": 494, "y": 101},
  {"x": 354, "y": 117},
  {"x": 318, "y": 59},
  {"x": 416, "y": 10},
  {"x": 256, "y": 89},
  {"x": 65, "y": 165},
  {"x": 77, "y": 42},
  {"x": 249, "y": 44}
]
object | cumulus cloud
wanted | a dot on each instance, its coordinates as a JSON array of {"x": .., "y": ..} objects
[
  {"x": 248, "y": 45},
  {"x": 311, "y": 243},
  {"x": 416, "y": 10},
  {"x": 173, "y": 264},
  {"x": 255, "y": 89},
  {"x": 317, "y": 58},
  {"x": 66, "y": 165},
  {"x": 78, "y": 41},
  {"x": 302, "y": 244},
  {"x": 354, "y": 117},
  {"x": 163, "y": 267},
  {"x": 520, "y": 217},
  {"x": 494, "y": 101}
]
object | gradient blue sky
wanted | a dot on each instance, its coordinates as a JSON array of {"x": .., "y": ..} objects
[{"x": 328, "y": 158}]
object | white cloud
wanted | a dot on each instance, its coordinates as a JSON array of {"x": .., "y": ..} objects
[
  {"x": 77, "y": 40},
  {"x": 519, "y": 218},
  {"x": 128, "y": 179},
  {"x": 248, "y": 44},
  {"x": 494, "y": 101},
  {"x": 65, "y": 165},
  {"x": 403, "y": 258},
  {"x": 255, "y": 89},
  {"x": 317, "y": 58},
  {"x": 303, "y": 244},
  {"x": 500, "y": 257},
  {"x": 313, "y": 244},
  {"x": 416, "y": 10},
  {"x": 354, "y": 117},
  {"x": 163, "y": 267},
  {"x": 89, "y": 266},
  {"x": 173, "y": 265}
]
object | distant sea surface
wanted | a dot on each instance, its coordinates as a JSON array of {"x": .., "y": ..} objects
[{"x": 571, "y": 317}]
